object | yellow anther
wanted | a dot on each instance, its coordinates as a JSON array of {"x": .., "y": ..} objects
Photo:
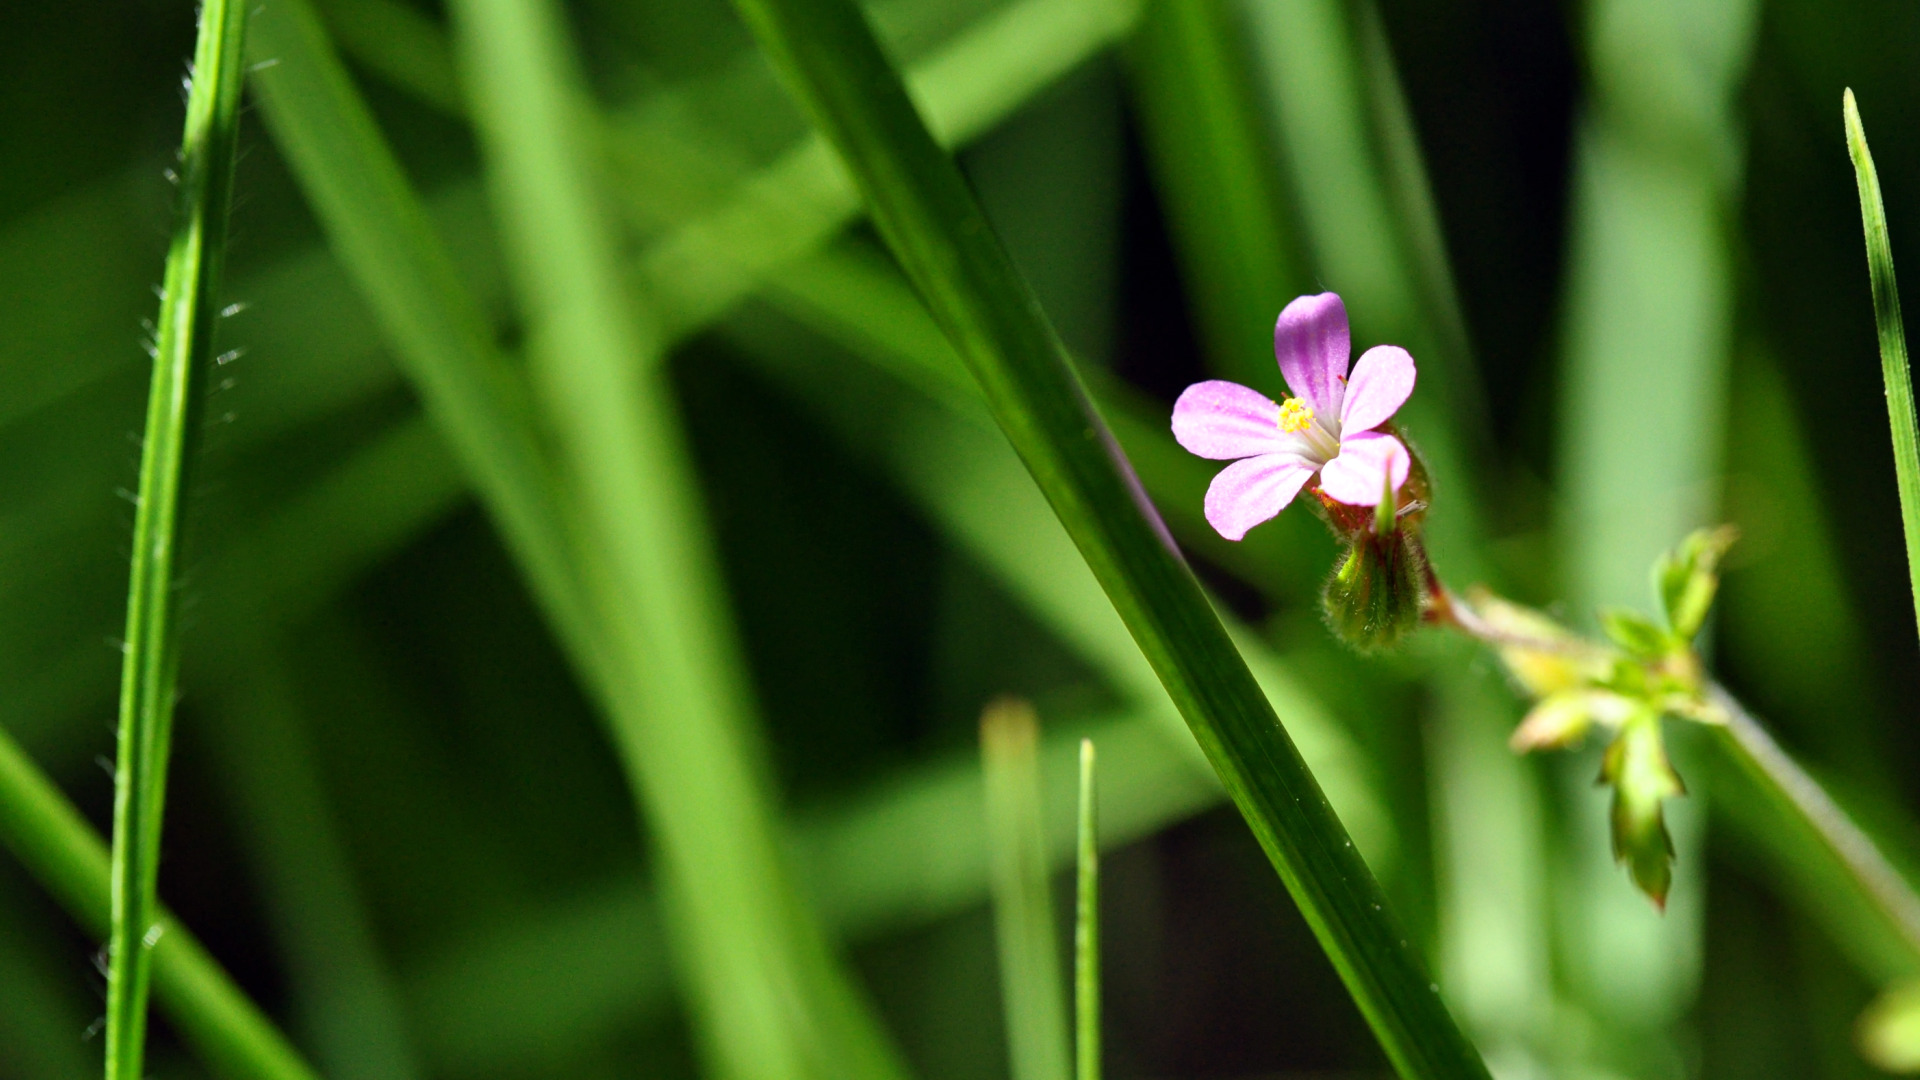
[{"x": 1295, "y": 415}]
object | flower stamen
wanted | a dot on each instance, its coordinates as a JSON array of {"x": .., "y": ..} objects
[{"x": 1295, "y": 415}]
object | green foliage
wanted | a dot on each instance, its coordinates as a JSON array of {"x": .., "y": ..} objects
[{"x": 400, "y": 813}]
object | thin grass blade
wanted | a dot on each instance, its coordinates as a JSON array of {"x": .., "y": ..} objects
[
  {"x": 1894, "y": 366},
  {"x": 930, "y": 219},
  {"x": 1086, "y": 926},
  {"x": 189, "y": 310},
  {"x": 1030, "y": 982}
]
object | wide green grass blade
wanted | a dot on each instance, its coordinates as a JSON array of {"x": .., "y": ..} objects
[
  {"x": 1030, "y": 983},
  {"x": 1894, "y": 366},
  {"x": 189, "y": 310},
  {"x": 69, "y": 859},
  {"x": 771, "y": 999},
  {"x": 925, "y": 211},
  {"x": 1086, "y": 926}
]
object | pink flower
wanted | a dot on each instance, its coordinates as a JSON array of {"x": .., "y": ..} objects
[{"x": 1327, "y": 427}]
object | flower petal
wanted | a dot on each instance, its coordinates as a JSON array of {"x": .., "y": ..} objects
[
  {"x": 1312, "y": 345},
  {"x": 1357, "y": 476},
  {"x": 1249, "y": 492},
  {"x": 1223, "y": 420},
  {"x": 1381, "y": 383}
]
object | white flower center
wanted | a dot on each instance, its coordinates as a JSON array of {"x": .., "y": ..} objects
[{"x": 1297, "y": 418}]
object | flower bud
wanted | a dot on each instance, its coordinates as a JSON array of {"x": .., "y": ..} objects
[
  {"x": 1687, "y": 578},
  {"x": 1379, "y": 591},
  {"x": 1642, "y": 778}
]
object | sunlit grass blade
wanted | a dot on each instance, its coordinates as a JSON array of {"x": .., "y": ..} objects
[
  {"x": 930, "y": 219},
  {"x": 1894, "y": 366},
  {"x": 1030, "y": 983},
  {"x": 766, "y": 988},
  {"x": 70, "y": 861},
  {"x": 1086, "y": 926},
  {"x": 189, "y": 310}
]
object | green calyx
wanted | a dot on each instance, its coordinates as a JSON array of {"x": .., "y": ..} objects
[{"x": 1378, "y": 592}]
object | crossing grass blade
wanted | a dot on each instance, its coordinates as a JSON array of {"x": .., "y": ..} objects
[
  {"x": 183, "y": 355},
  {"x": 929, "y": 218},
  {"x": 1086, "y": 926},
  {"x": 1894, "y": 367},
  {"x": 47, "y": 834},
  {"x": 1030, "y": 982}
]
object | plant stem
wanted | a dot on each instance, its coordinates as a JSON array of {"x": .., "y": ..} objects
[
  {"x": 1769, "y": 765},
  {"x": 1893, "y": 341},
  {"x": 183, "y": 354}
]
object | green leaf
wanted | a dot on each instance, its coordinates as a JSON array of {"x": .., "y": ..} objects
[
  {"x": 929, "y": 218},
  {"x": 1894, "y": 366},
  {"x": 1022, "y": 903},
  {"x": 1086, "y": 926},
  {"x": 1635, "y": 633},
  {"x": 183, "y": 355},
  {"x": 1687, "y": 578}
]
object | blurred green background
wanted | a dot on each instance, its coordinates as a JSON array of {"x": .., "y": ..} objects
[{"x": 1621, "y": 237}]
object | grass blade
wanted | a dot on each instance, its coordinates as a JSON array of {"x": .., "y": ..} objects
[
  {"x": 1894, "y": 367},
  {"x": 189, "y": 308},
  {"x": 1022, "y": 903},
  {"x": 765, "y": 986},
  {"x": 929, "y": 218},
  {"x": 67, "y": 857},
  {"x": 442, "y": 337},
  {"x": 1086, "y": 927}
]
